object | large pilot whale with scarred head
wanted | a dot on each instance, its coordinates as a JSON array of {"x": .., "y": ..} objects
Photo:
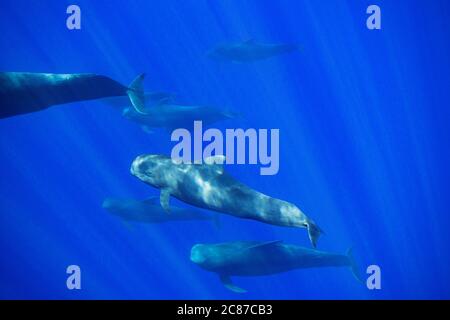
[
  {"x": 25, "y": 92},
  {"x": 208, "y": 186},
  {"x": 253, "y": 258}
]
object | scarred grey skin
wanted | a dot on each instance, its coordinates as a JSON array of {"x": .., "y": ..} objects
[
  {"x": 209, "y": 186},
  {"x": 25, "y": 92},
  {"x": 249, "y": 51},
  {"x": 173, "y": 116},
  {"x": 253, "y": 258},
  {"x": 150, "y": 211}
]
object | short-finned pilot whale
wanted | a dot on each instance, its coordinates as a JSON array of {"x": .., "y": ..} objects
[
  {"x": 253, "y": 258},
  {"x": 25, "y": 92},
  {"x": 209, "y": 186},
  {"x": 150, "y": 211},
  {"x": 174, "y": 116},
  {"x": 249, "y": 51}
]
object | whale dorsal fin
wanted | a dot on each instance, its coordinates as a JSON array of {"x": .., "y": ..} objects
[
  {"x": 264, "y": 245},
  {"x": 216, "y": 163},
  {"x": 136, "y": 94},
  {"x": 226, "y": 281}
]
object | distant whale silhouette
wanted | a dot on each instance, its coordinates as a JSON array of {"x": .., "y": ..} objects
[
  {"x": 173, "y": 116},
  {"x": 248, "y": 51},
  {"x": 253, "y": 258},
  {"x": 209, "y": 186},
  {"x": 24, "y": 92},
  {"x": 150, "y": 211}
]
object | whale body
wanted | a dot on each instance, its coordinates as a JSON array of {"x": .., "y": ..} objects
[
  {"x": 151, "y": 98},
  {"x": 173, "y": 116},
  {"x": 253, "y": 258},
  {"x": 209, "y": 186},
  {"x": 24, "y": 92},
  {"x": 150, "y": 211},
  {"x": 248, "y": 51}
]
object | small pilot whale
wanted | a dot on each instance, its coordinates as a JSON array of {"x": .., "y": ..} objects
[
  {"x": 150, "y": 211},
  {"x": 248, "y": 51},
  {"x": 24, "y": 92},
  {"x": 209, "y": 186},
  {"x": 173, "y": 116},
  {"x": 252, "y": 258}
]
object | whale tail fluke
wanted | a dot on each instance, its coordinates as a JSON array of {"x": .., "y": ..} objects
[
  {"x": 314, "y": 232},
  {"x": 136, "y": 93},
  {"x": 353, "y": 266}
]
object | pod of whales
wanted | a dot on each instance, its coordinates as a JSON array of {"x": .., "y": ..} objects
[
  {"x": 253, "y": 258},
  {"x": 209, "y": 186},
  {"x": 25, "y": 92},
  {"x": 205, "y": 186}
]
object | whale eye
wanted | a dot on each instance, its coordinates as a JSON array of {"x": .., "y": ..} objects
[{"x": 143, "y": 167}]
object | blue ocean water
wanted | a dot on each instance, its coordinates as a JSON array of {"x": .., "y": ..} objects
[{"x": 363, "y": 118}]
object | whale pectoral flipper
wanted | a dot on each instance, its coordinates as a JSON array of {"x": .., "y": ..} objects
[
  {"x": 164, "y": 199},
  {"x": 136, "y": 93},
  {"x": 226, "y": 281}
]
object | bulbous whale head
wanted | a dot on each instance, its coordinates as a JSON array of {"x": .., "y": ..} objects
[
  {"x": 198, "y": 254},
  {"x": 152, "y": 169},
  {"x": 209, "y": 256},
  {"x": 213, "y": 256}
]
